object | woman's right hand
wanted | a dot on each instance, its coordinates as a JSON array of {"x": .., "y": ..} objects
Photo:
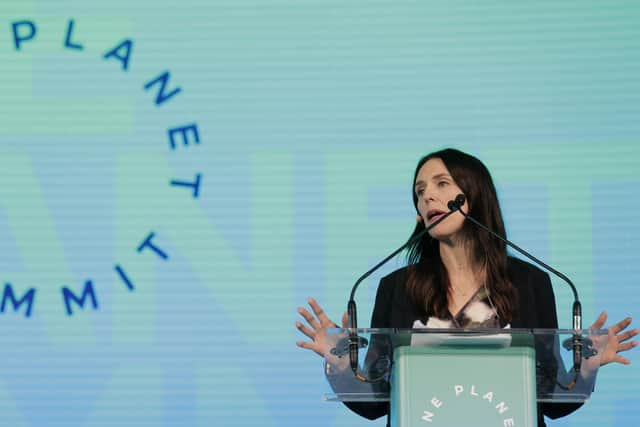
[{"x": 316, "y": 328}]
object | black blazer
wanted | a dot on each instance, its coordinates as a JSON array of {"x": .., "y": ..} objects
[{"x": 536, "y": 308}]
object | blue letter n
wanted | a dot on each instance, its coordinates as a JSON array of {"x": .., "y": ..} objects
[{"x": 162, "y": 96}]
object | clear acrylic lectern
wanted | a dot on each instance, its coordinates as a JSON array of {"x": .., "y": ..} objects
[{"x": 479, "y": 377}]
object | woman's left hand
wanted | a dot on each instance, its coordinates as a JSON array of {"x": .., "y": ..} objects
[{"x": 618, "y": 340}]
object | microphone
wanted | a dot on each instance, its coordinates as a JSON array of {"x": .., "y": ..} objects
[
  {"x": 457, "y": 203},
  {"x": 576, "y": 342},
  {"x": 352, "y": 323}
]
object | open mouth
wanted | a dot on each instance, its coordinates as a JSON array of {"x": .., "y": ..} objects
[{"x": 434, "y": 215}]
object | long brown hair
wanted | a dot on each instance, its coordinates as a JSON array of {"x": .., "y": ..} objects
[{"x": 428, "y": 280}]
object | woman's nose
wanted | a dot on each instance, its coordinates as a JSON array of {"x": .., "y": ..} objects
[{"x": 427, "y": 195}]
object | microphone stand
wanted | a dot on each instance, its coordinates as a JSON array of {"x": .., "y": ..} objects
[
  {"x": 576, "y": 340},
  {"x": 352, "y": 323}
]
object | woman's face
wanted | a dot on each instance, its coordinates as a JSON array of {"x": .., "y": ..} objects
[{"x": 434, "y": 188}]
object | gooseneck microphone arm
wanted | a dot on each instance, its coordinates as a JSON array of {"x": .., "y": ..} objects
[
  {"x": 577, "y": 307},
  {"x": 352, "y": 321}
]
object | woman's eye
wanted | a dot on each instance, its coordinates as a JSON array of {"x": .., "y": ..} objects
[
  {"x": 419, "y": 191},
  {"x": 442, "y": 183}
]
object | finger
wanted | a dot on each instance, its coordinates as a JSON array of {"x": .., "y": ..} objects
[
  {"x": 309, "y": 318},
  {"x": 621, "y": 360},
  {"x": 621, "y": 325},
  {"x": 599, "y": 323},
  {"x": 627, "y": 346},
  {"x": 627, "y": 335},
  {"x": 308, "y": 332},
  {"x": 310, "y": 346},
  {"x": 319, "y": 312},
  {"x": 344, "y": 320},
  {"x": 305, "y": 344}
]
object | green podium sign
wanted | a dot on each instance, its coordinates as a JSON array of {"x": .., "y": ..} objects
[{"x": 454, "y": 386}]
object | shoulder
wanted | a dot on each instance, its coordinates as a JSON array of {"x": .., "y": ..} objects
[
  {"x": 536, "y": 301},
  {"x": 523, "y": 273},
  {"x": 392, "y": 308},
  {"x": 400, "y": 275},
  {"x": 394, "y": 282},
  {"x": 529, "y": 280},
  {"x": 518, "y": 266}
]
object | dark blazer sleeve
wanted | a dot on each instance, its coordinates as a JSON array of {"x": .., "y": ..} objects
[
  {"x": 549, "y": 319},
  {"x": 380, "y": 318},
  {"x": 545, "y": 302},
  {"x": 537, "y": 309}
]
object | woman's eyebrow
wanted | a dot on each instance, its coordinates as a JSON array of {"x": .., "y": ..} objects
[
  {"x": 437, "y": 176},
  {"x": 441, "y": 175}
]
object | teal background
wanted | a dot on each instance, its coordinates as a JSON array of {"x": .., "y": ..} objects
[{"x": 312, "y": 115}]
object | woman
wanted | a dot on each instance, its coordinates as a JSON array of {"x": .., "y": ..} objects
[{"x": 459, "y": 276}]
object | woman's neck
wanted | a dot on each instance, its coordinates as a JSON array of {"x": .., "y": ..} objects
[{"x": 464, "y": 274}]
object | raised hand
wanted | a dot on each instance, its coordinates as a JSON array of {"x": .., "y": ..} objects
[
  {"x": 618, "y": 340},
  {"x": 316, "y": 328}
]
